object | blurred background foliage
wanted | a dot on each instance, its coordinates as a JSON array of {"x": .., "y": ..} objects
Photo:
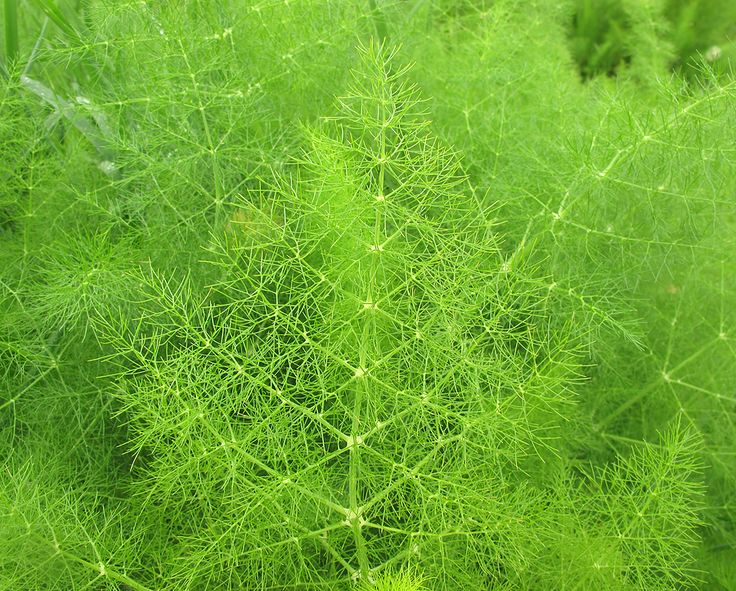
[{"x": 603, "y": 34}]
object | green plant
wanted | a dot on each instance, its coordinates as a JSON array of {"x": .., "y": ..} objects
[
  {"x": 403, "y": 581},
  {"x": 256, "y": 337},
  {"x": 607, "y": 36}
]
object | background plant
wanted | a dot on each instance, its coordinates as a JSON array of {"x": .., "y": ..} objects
[{"x": 606, "y": 35}]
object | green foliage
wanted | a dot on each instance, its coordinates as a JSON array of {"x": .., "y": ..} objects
[
  {"x": 607, "y": 36},
  {"x": 403, "y": 581},
  {"x": 329, "y": 295}
]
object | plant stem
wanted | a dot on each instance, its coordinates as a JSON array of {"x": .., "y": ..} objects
[
  {"x": 11, "y": 32},
  {"x": 379, "y": 21},
  {"x": 368, "y": 345},
  {"x": 103, "y": 569},
  {"x": 353, "y": 486},
  {"x": 361, "y": 390},
  {"x": 211, "y": 147}
]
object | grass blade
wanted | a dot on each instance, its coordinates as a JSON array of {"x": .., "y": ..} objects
[
  {"x": 61, "y": 20},
  {"x": 11, "y": 32}
]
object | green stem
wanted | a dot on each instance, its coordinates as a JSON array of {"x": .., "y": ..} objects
[
  {"x": 665, "y": 378},
  {"x": 11, "y": 32},
  {"x": 361, "y": 395},
  {"x": 368, "y": 347},
  {"x": 379, "y": 21},
  {"x": 355, "y": 516},
  {"x": 211, "y": 147},
  {"x": 101, "y": 568}
]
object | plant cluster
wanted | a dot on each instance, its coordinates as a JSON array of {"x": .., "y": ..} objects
[
  {"x": 314, "y": 294},
  {"x": 606, "y": 34}
]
